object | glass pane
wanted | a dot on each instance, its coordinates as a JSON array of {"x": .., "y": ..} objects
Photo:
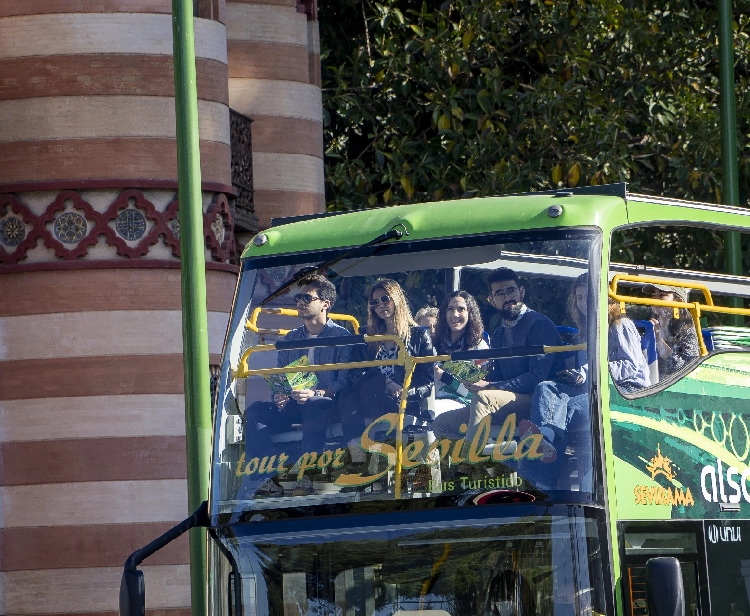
[
  {"x": 660, "y": 544},
  {"x": 322, "y": 426},
  {"x": 545, "y": 566}
]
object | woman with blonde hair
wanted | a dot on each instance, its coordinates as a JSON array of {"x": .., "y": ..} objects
[{"x": 378, "y": 390}]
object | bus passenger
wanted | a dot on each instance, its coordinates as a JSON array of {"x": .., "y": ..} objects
[
  {"x": 427, "y": 317},
  {"x": 309, "y": 407},
  {"x": 510, "y": 383},
  {"x": 459, "y": 328},
  {"x": 378, "y": 390},
  {"x": 559, "y": 407},
  {"x": 676, "y": 339}
]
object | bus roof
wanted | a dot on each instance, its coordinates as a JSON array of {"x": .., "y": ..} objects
[{"x": 600, "y": 206}]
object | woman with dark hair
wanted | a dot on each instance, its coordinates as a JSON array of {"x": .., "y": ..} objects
[
  {"x": 459, "y": 328},
  {"x": 378, "y": 390}
]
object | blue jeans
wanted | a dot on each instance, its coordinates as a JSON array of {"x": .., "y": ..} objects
[{"x": 560, "y": 406}]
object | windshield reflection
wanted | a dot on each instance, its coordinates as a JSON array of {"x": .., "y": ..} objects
[{"x": 454, "y": 374}]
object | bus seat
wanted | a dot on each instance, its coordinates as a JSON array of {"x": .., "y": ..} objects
[
  {"x": 708, "y": 340},
  {"x": 648, "y": 346}
]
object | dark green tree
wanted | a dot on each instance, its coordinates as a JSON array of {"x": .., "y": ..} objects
[{"x": 426, "y": 101}]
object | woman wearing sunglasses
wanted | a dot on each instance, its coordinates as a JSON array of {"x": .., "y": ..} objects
[{"x": 378, "y": 390}]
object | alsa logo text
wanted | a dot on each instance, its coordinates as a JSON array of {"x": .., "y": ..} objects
[{"x": 724, "y": 485}]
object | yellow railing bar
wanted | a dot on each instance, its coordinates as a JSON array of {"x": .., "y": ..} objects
[
  {"x": 252, "y": 322},
  {"x": 672, "y": 283},
  {"x": 243, "y": 371}
]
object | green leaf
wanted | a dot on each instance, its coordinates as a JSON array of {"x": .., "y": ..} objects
[{"x": 417, "y": 29}]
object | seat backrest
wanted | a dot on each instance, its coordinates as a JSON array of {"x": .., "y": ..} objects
[{"x": 708, "y": 340}]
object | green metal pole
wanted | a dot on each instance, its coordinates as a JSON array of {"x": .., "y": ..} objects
[
  {"x": 194, "y": 313},
  {"x": 730, "y": 184}
]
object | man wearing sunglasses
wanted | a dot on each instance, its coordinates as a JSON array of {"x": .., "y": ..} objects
[
  {"x": 308, "y": 407},
  {"x": 511, "y": 382}
]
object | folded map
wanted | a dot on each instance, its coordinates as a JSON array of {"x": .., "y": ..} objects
[
  {"x": 291, "y": 381},
  {"x": 465, "y": 370}
]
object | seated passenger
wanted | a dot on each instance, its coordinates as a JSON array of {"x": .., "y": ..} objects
[
  {"x": 509, "y": 385},
  {"x": 427, "y": 317},
  {"x": 676, "y": 339},
  {"x": 459, "y": 328},
  {"x": 309, "y": 407},
  {"x": 378, "y": 390},
  {"x": 557, "y": 408}
]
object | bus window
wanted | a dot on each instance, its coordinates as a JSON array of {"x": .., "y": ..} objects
[
  {"x": 547, "y": 565},
  {"x": 308, "y": 413}
]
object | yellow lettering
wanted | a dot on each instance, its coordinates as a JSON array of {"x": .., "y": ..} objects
[
  {"x": 282, "y": 460},
  {"x": 266, "y": 465},
  {"x": 238, "y": 470},
  {"x": 306, "y": 461},
  {"x": 410, "y": 454},
  {"x": 507, "y": 431},
  {"x": 637, "y": 494},
  {"x": 252, "y": 466},
  {"x": 458, "y": 446},
  {"x": 338, "y": 458},
  {"x": 532, "y": 452},
  {"x": 376, "y": 448},
  {"x": 689, "y": 498},
  {"x": 479, "y": 441},
  {"x": 325, "y": 459}
]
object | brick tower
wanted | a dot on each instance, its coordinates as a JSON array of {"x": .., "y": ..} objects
[{"x": 92, "y": 437}]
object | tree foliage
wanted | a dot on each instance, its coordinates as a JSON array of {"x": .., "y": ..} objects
[{"x": 427, "y": 101}]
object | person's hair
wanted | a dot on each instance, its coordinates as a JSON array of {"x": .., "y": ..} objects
[
  {"x": 573, "y": 311},
  {"x": 401, "y": 315},
  {"x": 472, "y": 335},
  {"x": 324, "y": 287},
  {"x": 613, "y": 311},
  {"x": 500, "y": 274},
  {"x": 426, "y": 311}
]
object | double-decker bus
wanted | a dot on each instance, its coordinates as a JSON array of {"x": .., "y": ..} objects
[{"x": 635, "y": 500}]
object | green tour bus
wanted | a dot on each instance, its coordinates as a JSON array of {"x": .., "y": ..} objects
[{"x": 572, "y": 439}]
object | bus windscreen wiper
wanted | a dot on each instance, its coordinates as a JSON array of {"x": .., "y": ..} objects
[{"x": 325, "y": 265}]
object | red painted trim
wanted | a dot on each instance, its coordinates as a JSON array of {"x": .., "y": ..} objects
[
  {"x": 125, "y": 263},
  {"x": 116, "y": 184}
]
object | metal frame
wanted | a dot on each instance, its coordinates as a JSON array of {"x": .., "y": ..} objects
[
  {"x": 252, "y": 322},
  {"x": 695, "y": 308}
]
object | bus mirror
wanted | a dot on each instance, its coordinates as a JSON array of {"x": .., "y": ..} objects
[
  {"x": 664, "y": 588},
  {"x": 132, "y": 593}
]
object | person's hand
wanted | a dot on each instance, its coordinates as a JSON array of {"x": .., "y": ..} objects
[
  {"x": 393, "y": 389},
  {"x": 300, "y": 396},
  {"x": 478, "y": 386},
  {"x": 571, "y": 377},
  {"x": 280, "y": 400},
  {"x": 438, "y": 372}
]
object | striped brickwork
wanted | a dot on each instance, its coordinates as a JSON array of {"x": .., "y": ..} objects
[
  {"x": 89, "y": 95},
  {"x": 273, "y": 51},
  {"x": 92, "y": 430}
]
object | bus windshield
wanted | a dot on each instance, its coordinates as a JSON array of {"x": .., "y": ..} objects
[
  {"x": 529, "y": 564},
  {"x": 450, "y": 371}
]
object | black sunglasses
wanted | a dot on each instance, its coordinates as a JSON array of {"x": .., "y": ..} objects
[
  {"x": 384, "y": 299},
  {"x": 305, "y": 297}
]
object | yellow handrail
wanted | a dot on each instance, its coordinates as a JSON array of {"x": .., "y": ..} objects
[
  {"x": 694, "y": 308},
  {"x": 243, "y": 371},
  {"x": 252, "y": 322},
  {"x": 672, "y": 283}
]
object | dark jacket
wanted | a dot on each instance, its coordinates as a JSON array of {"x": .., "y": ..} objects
[
  {"x": 335, "y": 380},
  {"x": 523, "y": 374},
  {"x": 419, "y": 344}
]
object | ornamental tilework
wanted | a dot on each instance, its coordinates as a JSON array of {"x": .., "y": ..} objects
[
  {"x": 70, "y": 227},
  {"x": 125, "y": 225},
  {"x": 130, "y": 225},
  {"x": 12, "y": 231}
]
